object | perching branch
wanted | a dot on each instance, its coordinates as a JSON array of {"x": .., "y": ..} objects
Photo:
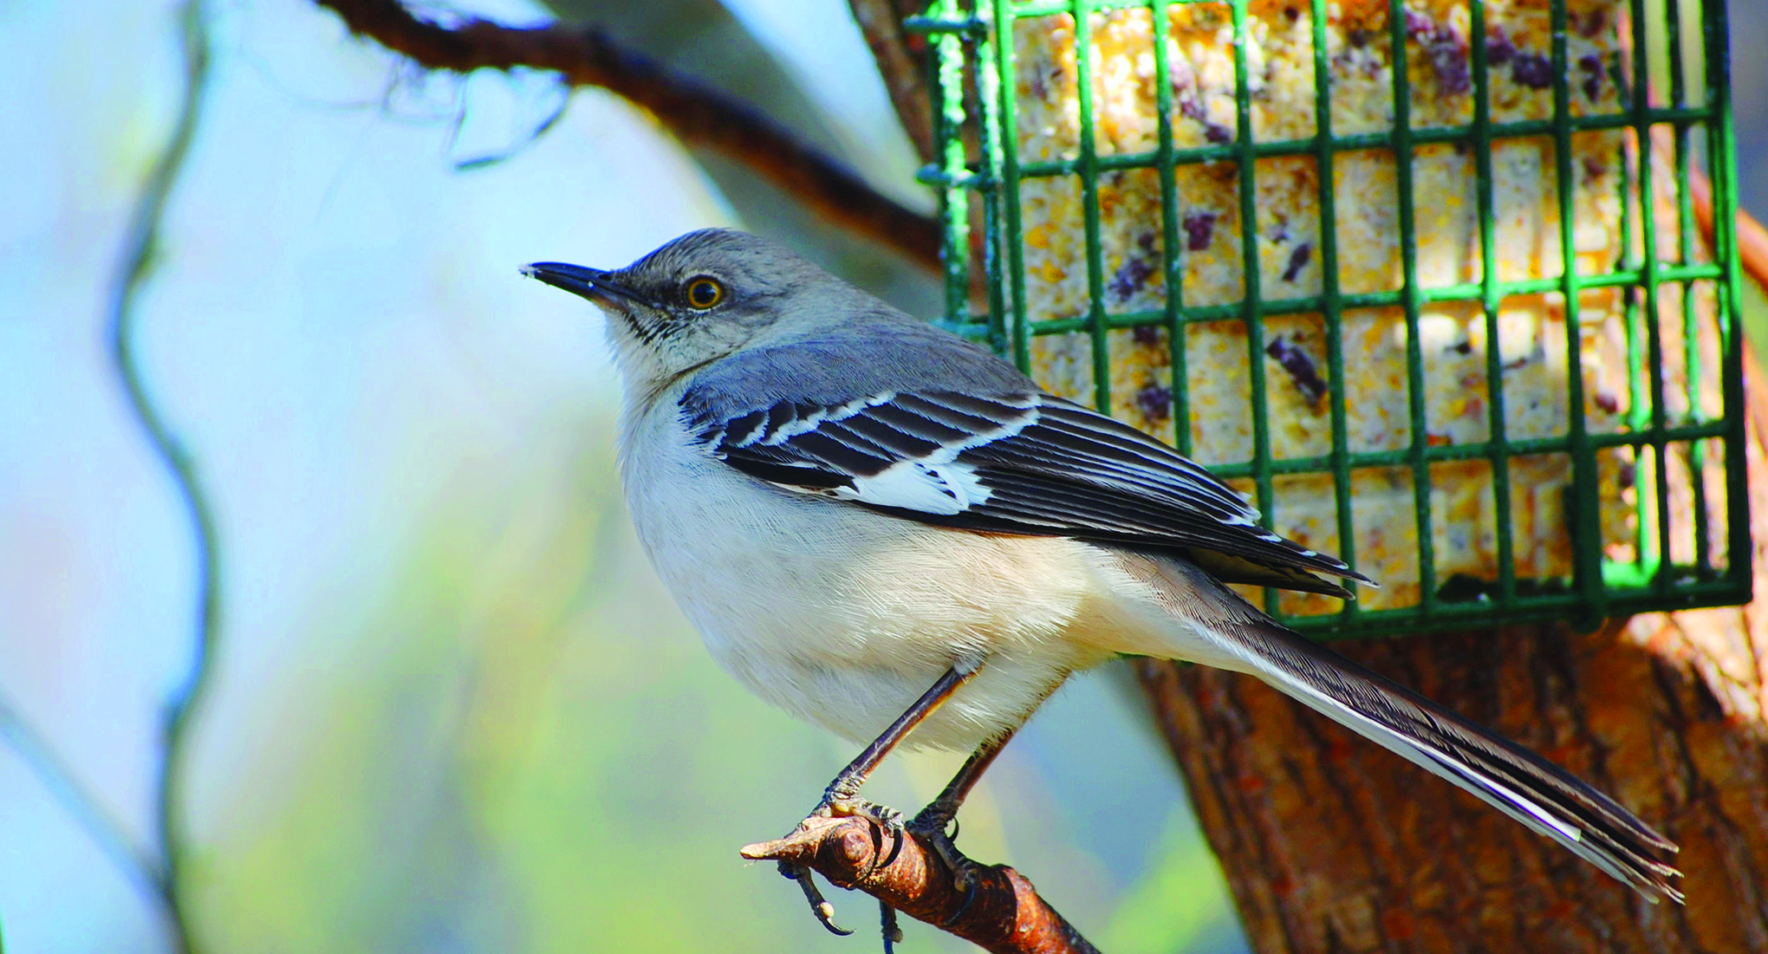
[
  {"x": 139, "y": 249},
  {"x": 698, "y": 114},
  {"x": 1000, "y": 912}
]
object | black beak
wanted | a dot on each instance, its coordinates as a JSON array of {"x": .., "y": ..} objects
[{"x": 596, "y": 285}]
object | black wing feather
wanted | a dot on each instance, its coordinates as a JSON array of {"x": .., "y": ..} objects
[{"x": 1027, "y": 463}]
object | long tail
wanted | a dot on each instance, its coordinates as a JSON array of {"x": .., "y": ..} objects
[{"x": 1513, "y": 779}]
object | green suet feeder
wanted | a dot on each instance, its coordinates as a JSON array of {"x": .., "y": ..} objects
[{"x": 1503, "y": 376}]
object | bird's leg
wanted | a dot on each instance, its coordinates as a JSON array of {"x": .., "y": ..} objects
[
  {"x": 842, "y": 795},
  {"x": 932, "y": 822},
  {"x": 889, "y": 928}
]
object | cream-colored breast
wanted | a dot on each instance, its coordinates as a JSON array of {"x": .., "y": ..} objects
[{"x": 844, "y": 615}]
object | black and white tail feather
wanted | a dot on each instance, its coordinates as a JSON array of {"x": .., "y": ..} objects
[
  {"x": 1516, "y": 781},
  {"x": 1002, "y": 456}
]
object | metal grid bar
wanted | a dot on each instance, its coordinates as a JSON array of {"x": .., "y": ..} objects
[
  {"x": 1171, "y": 251},
  {"x": 1534, "y": 608},
  {"x": 1332, "y": 306},
  {"x": 1020, "y": 330},
  {"x": 948, "y": 126},
  {"x": 1654, "y": 348},
  {"x": 1598, "y": 586},
  {"x": 990, "y": 100},
  {"x": 1474, "y": 450},
  {"x": 1413, "y": 304},
  {"x": 1252, "y": 308},
  {"x": 1089, "y": 198},
  {"x": 1491, "y": 295},
  {"x": 1690, "y": 318},
  {"x": 1722, "y": 160},
  {"x": 1586, "y": 493},
  {"x": 1647, "y": 561},
  {"x": 1362, "y": 141},
  {"x": 1469, "y": 291}
]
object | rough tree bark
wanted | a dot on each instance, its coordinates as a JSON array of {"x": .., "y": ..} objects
[{"x": 902, "y": 62}]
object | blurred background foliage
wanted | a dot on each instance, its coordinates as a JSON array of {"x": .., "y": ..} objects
[{"x": 454, "y": 711}]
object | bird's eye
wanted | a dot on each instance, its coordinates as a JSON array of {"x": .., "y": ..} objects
[{"x": 703, "y": 293}]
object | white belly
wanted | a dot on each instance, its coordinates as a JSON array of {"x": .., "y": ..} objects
[
  {"x": 846, "y": 621},
  {"x": 845, "y": 616}
]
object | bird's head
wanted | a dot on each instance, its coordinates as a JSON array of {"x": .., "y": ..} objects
[{"x": 700, "y": 298}]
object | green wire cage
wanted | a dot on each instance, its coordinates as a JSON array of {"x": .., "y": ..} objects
[{"x": 1503, "y": 377}]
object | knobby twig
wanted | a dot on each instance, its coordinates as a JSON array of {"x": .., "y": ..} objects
[
  {"x": 698, "y": 114},
  {"x": 139, "y": 250},
  {"x": 1000, "y": 911}
]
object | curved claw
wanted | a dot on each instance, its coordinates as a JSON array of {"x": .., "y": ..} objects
[
  {"x": 932, "y": 827},
  {"x": 819, "y": 906},
  {"x": 897, "y": 836},
  {"x": 884, "y": 820}
]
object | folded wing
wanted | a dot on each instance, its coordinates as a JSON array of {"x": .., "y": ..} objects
[{"x": 1016, "y": 462}]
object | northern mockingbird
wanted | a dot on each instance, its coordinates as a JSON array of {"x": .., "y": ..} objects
[{"x": 891, "y": 532}]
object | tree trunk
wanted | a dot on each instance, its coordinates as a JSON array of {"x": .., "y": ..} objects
[{"x": 1333, "y": 844}]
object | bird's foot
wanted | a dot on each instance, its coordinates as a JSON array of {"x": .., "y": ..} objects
[
  {"x": 891, "y": 824},
  {"x": 885, "y": 817},
  {"x": 841, "y": 800},
  {"x": 937, "y": 826},
  {"x": 836, "y": 804}
]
